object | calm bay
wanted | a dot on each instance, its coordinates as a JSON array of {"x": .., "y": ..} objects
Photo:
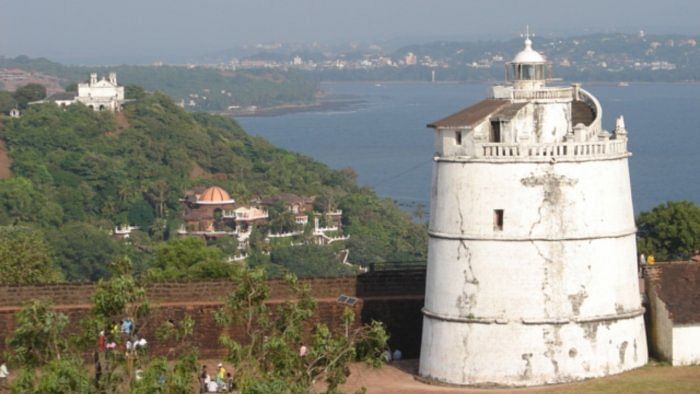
[{"x": 384, "y": 139}]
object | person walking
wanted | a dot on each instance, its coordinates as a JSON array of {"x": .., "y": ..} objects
[
  {"x": 203, "y": 379},
  {"x": 101, "y": 342},
  {"x": 98, "y": 371},
  {"x": 4, "y": 375},
  {"x": 221, "y": 375}
]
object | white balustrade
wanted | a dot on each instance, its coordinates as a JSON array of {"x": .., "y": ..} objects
[
  {"x": 543, "y": 94},
  {"x": 563, "y": 150}
]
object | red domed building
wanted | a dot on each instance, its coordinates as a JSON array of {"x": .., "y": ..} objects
[{"x": 212, "y": 212}]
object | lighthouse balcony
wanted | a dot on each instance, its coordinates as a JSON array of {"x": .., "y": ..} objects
[
  {"x": 558, "y": 93},
  {"x": 567, "y": 151}
]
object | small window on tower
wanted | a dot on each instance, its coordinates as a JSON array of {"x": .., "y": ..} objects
[
  {"x": 498, "y": 219},
  {"x": 458, "y": 137},
  {"x": 495, "y": 133}
]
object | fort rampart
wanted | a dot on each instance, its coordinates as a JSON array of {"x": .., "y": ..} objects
[{"x": 393, "y": 297}]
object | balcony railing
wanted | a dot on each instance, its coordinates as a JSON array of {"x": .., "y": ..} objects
[
  {"x": 243, "y": 215},
  {"x": 543, "y": 94},
  {"x": 563, "y": 150}
]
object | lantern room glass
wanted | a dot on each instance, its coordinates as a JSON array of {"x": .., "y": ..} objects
[{"x": 528, "y": 72}]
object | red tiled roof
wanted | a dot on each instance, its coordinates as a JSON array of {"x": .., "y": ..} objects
[
  {"x": 677, "y": 284},
  {"x": 471, "y": 115}
]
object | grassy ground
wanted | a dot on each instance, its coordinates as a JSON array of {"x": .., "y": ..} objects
[
  {"x": 399, "y": 378},
  {"x": 653, "y": 378}
]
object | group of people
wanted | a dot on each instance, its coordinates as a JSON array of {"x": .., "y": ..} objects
[
  {"x": 222, "y": 382},
  {"x": 107, "y": 342},
  {"x": 390, "y": 356},
  {"x": 133, "y": 343}
]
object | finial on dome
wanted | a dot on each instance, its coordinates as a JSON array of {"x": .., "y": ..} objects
[
  {"x": 528, "y": 55},
  {"x": 527, "y": 35}
]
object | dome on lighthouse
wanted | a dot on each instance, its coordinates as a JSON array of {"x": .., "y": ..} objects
[
  {"x": 528, "y": 69},
  {"x": 528, "y": 55}
]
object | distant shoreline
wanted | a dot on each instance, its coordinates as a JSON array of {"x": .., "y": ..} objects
[
  {"x": 489, "y": 82},
  {"x": 350, "y": 102},
  {"x": 324, "y": 104}
]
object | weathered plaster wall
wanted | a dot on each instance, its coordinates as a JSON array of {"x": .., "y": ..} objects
[
  {"x": 661, "y": 330},
  {"x": 556, "y": 287},
  {"x": 538, "y": 123},
  {"x": 573, "y": 199},
  {"x": 523, "y": 280},
  {"x": 686, "y": 345},
  {"x": 529, "y": 354}
]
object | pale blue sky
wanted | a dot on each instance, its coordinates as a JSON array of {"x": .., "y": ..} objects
[{"x": 128, "y": 29}]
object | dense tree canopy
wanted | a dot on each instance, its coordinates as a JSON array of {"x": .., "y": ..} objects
[
  {"x": 379, "y": 230},
  {"x": 28, "y": 93},
  {"x": 189, "y": 258},
  {"x": 7, "y": 102},
  {"x": 22, "y": 202},
  {"x": 38, "y": 337},
  {"x": 83, "y": 250},
  {"x": 670, "y": 231},
  {"x": 25, "y": 257},
  {"x": 310, "y": 260}
]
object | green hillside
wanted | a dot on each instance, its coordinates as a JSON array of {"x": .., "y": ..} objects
[{"x": 78, "y": 173}]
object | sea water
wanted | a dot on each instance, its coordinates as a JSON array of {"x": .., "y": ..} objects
[{"x": 385, "y": 139}]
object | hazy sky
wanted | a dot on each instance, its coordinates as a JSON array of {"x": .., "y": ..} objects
[{"x": 128, "y": 29}]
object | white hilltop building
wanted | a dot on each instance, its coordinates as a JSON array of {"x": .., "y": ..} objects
[
  {"x": 532, "y": 275},
  {"x": 99, "y": 95}
]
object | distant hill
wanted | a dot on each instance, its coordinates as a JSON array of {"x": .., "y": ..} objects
[{"x": 207, "y": 88}]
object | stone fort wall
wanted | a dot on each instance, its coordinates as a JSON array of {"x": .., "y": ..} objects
[{"x": 393, "y": 297}]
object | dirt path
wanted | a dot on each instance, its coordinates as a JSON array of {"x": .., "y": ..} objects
[
  {"x": 399, "y": 378},
  {"x": 122, "y": 121},
  {"x": 122, "y": 124},
  {"x": 5, "y": 162}
]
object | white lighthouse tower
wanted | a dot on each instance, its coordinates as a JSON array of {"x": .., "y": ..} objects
[{"x": 531, "y": 265}]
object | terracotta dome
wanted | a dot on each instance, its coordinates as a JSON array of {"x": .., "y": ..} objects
[{"x": 215, "y": 195}]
